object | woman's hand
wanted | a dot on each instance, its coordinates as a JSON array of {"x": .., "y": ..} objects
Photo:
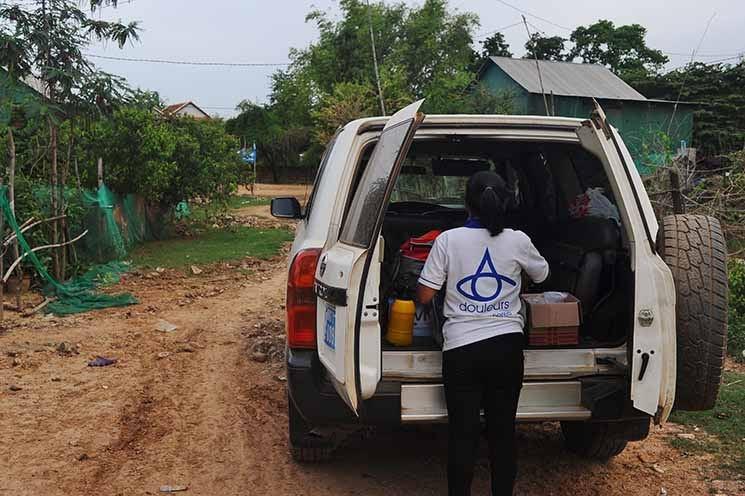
[{"x": 424, "y": 294}]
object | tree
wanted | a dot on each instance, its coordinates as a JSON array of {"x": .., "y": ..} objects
[
  {"x": 163, "y": 160},
  {"x": 349, "y": 101},
  {"x": 495, "y": 46},
  {"x": 545, "y": 47},
  {"x": 622, "y": 49},
  {"x": 46, "y": 40},
  {"x": 279, "y": 144},
  {"x": 422, "y": 51},
  {"x": 144, "y": 99},
  {"x": 719, "y": 119}
]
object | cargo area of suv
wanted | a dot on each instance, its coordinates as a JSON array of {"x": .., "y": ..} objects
[
  {"x": 588, "y": 255},
  {"x": 387, "y": 183}
]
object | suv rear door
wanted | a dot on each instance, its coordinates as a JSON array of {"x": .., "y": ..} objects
[
  {"x": 347, "y": 278},
  {"x": 653, "y": 340}
]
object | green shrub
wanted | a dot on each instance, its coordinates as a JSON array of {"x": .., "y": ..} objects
[
  {"x": 163, "y": 160},
  {"x": 736, "y": 338}
]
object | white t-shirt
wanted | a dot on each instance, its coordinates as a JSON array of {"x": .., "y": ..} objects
[{"x": 482, "y": 297}]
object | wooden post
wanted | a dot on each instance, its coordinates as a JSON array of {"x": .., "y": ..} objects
[
  {"x": 253, "y": 183},
  {"x": 77, "y": 174},
  {"x": 100, "y": 171},
  {"x": 2, "y": 283},
  {"x": 675, "y": 193},
  {"x": 54, "y": 182},
  {"x": 12, "y": 203}
]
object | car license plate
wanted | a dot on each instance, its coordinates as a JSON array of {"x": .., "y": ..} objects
[{"x": 329, "y": 332}]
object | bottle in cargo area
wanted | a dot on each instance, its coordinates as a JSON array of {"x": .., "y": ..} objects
[{"x": 401, "y": 323}]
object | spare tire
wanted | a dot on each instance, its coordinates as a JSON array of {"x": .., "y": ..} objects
[{"x": 693, "y": 247}]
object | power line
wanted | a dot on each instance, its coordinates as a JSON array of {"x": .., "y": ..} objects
[
  {"x": 487, "y": 33},
  {"x": 534, "y": 16},
  {"x": 685, "y": 76},
  {"x": 711, "y": 62},
  {"x": 186, "y": 62},
  {"x": 702, "y": 55},
  {"x": 538, "y": 68},
  {"x": 539, "y": 30}
]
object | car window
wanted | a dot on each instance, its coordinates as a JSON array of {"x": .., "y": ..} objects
[
  {"x": 367, "y": 203},
  {"x": 420, "y": 181},
  {"x": 319, "y": 174}
]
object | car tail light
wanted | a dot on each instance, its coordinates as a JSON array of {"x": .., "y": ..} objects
[{"x": 301, "y": 300}]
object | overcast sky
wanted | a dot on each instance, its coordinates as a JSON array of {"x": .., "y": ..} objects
[{"x": 264, "y": 31}]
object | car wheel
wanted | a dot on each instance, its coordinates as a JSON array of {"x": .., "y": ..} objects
[
  {"x": 306, "y": 446},
  {"x": 602, "y": 440},
  {"x": 693, "y": 247}
]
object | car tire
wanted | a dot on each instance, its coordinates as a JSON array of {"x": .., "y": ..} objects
[
  {"x": 602, "y": 440},
  {"x": 306, "y": 446},
  {"x": 694, "y": 248}
]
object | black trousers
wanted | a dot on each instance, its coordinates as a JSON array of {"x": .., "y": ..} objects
[{"x": 487, "y": 374}]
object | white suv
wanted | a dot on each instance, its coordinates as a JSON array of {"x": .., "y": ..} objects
[{"x": 653, "y": 297}]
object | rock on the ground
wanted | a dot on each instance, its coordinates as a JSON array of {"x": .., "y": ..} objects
[
  {"x": 258, "y": 356},
  {"x": 165, "y": 326}
]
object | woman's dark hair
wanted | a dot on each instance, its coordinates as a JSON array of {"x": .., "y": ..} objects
[{"x": 487, "y": 197}]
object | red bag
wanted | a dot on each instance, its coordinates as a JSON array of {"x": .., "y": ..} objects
[{"x": 419, "y": 248}]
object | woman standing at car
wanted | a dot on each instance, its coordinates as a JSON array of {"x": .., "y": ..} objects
[{"x": 480, "y": 266}]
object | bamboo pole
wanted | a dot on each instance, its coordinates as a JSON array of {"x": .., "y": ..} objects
[
  {"x": 12, "y": 203},
  {"x": 54, "y": 181},
  {"x": 2, "y": 283}
]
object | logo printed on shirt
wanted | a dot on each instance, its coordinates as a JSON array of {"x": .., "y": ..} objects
[{"x": 487, "y": 271}]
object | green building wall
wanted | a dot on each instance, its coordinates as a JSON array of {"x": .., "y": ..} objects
[{"x": 645, "y": 126}]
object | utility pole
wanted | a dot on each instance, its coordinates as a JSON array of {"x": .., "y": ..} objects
[
  {"x": 538, "y": 68},
  {"x": 375, "y": 59}
]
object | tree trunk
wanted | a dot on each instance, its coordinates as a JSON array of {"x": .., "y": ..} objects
[
  {"x": 54, "y": 182},
  {"x": 2, "y": 283},
  {"x": 77, "y": 174},
  {"x": 63, "y": 183},
  {"x": 12, "y": 202},
  {"x": 99, "y": 170}
]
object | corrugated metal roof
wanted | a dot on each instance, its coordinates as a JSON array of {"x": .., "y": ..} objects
[{"x": 567, "y": 79}]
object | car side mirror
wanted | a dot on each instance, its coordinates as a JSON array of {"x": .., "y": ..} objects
[{"x": 286, "y": 207}]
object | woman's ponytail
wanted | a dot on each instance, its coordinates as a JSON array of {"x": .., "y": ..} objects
[
  {"x": 487, "y": 197},
  {"x": 492, "y": 210}
]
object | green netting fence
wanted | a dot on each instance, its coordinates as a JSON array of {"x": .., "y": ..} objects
[{"x": 114, "y": 224}]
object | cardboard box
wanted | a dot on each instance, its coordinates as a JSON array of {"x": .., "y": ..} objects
[{"x": 552, "y": 324}]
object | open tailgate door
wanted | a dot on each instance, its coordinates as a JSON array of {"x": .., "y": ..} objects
[
  {"x": 347, "y": 278},
  {"x": 653, "y": 349}
]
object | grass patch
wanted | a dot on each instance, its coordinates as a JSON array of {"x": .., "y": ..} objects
[
  {"x": 211, "y": 246},
  {"x": 240, "y": 201},
  {"x": 726, "y": 421},
  {"x": 203, "y": 212}
]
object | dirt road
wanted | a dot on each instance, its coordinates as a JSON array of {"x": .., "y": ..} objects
[{"x": 193, "y": 407}]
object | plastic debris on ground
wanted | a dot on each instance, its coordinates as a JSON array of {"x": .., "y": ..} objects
[
  {"x": 101, "y": 362},
  {"x": 173, "y": 489}
]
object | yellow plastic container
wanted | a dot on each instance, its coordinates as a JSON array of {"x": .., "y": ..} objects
[{"x": 401, "y": 323}]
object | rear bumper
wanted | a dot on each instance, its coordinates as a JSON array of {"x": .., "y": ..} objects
[
  {"x": 560, "y": 400},
  {"x": 319, "y": 403},
  {"x": 603, "y": 399}
]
